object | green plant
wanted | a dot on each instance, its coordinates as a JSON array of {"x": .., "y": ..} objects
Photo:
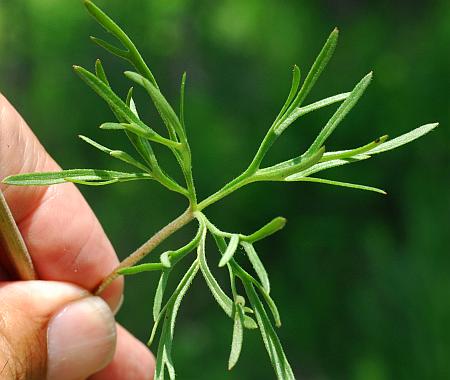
[{"x": 247, "y": 312}]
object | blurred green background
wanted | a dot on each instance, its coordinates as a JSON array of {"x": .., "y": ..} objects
[{"x": 362, "y": 280}]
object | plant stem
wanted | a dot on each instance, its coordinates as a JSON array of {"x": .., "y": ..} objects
[
  {"x": 147, "y": 247},
  {"x": 11, "y": 241}
]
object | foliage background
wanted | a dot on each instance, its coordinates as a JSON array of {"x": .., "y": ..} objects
[{"x": 362, "y": 281}]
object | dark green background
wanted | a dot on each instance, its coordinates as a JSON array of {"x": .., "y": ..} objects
[{"x": 362, "y": 280}]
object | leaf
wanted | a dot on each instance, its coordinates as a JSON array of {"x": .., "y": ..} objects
[
  {"x": 231, "y": 249},
  {"x": 325, "y": 165},
  {"x": 117, "y": 104},
  {"x": 271, "y": 341},
  {"x": 110, "y": 48},
  {"x": 403, "y": 139},
  {"x": 105, "y": 92},
  {"x": 130, "y": 102},
  {"x": 133, "y": 55},
  {"x": 271, "y": 303},
  {"x": 222, "y": 299},
  {"x": 257, "y": 265},
  {"x": 182, "y": 287},
  {"x": 281, "y": 171},
  {"x": 294, "y": 88},
  {"x": 340, "y": 113},
  {"x": 166, "y": 340},
  {"x": 349, "y": 153},
  {"x": 298, "y": 112},
  {"x": 316, "y": 70},
  {"x": 71, "y": 175},
  {"x": 249, "y": 323},
  {"x": 160, "y": 293},
  {"x": 100, "y": 72},
  {"x": 91, "y": 183},
  {"x": 165, "y": 345},
  {"x": 123, "y": 156},
  {"x": 268, "y": 229},
  {"x": 238, "y": 336},
  {"x": 164, "y": 109},
  {"x": 139, "y": 131},
  {"x": 342, "y": 184},
  {"x": 147, "y": 267},
  {"x": 182, "y": 90},
  {"x": 14, "y": 250},
  {"x": 175, "y": 257}
]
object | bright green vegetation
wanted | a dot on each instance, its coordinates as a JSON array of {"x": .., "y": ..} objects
[{"x": 250, "y": 305}]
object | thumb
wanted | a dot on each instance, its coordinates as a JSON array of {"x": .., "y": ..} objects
[{"x": 53, "y": 330}]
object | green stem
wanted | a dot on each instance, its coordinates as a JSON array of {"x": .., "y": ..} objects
[{"x": 267, "y": 142}]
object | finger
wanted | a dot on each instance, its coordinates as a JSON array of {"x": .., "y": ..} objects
[
  {"x": 65, "y": 240},
  {"x": 52, "y": 330},
  {"x": 132, "y": 360}
]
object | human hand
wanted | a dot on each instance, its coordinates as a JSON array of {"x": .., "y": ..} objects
[{"x": 54, "y": 328}]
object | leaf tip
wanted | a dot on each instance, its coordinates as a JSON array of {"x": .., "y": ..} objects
[{"x": 6, "y": 180}]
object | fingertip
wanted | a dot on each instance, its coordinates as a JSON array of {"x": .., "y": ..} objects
[{"x": 132, "y": 360}]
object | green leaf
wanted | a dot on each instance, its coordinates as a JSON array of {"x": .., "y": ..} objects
[
  {"x": 147, "y": 267},
  {"x": 403, "y": 139},
  {"x": 118, "y": 106},
  {"x": 175, "y": 257},
  {"x": 238, "y": 336},
  {"x": 140, "y": 132},
  {"x": 294, "y": 88},
  {"x": 123, "y": 156},
  {"x": 257, "y": 265},
  {"x": 85, "y": 176},
  {"x": 349, "y": 153},
  {"x": 316, "y": 70},
  {"x": 270, "y": 228},
  {"x": 166, "y": 340},
  {"x": 100, "y": 72},
  {"x": 222, "y": 299},
  {"x": 132, "y": 54},
  {"x": 271, "y": 341},
  {"x": 271, "y": 303},
  {"x": 164, "y": 109},
  {"x": 298, "y": 112},
  {"x": 182, "y": 288},
  {"x": 231, "y": 249},
  {"x": 340, "y": 113},
  {"x": 219, "y": 295},
  {"x": 160, "y": 293},
  {"x": 110, "y": 48},
  {"x": 182, "y": 90},
  {"x": 105, "y": 92},
  {"x": 281, "y": 171},
  {"x": 342, "y": 184},
  {"x": 325, "y": 165},
  {"x": 249, "y": 323}
]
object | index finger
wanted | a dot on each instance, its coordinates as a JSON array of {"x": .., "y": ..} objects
[{"x": 65, "y": 239}]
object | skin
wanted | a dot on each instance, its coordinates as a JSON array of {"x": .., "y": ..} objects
[{"x": 79, "y": 253}]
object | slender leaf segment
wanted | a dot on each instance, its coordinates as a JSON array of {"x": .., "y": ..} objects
[{"x": 232, "y": 246}]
